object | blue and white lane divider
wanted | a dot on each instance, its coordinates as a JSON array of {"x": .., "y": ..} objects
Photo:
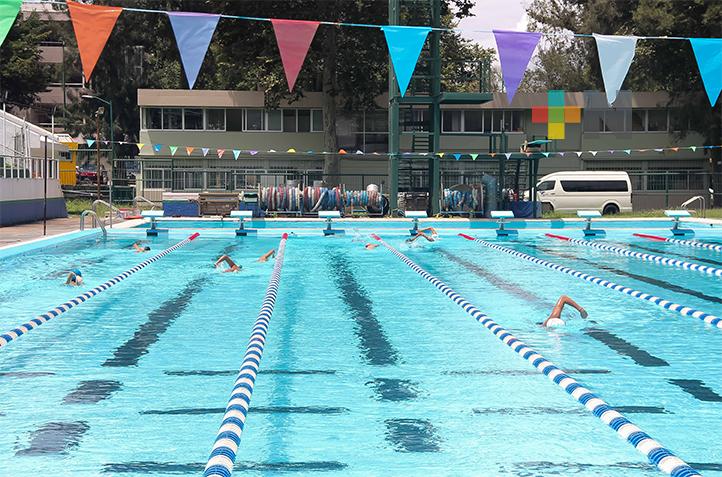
[
  {"x": 658, "y": 259},
  {"x": 34, "y": 323},
  {"x": 689, "y": 243},
  {"x": 663, "y": 458},
  {"x": 666, "y": 304},
  {"x": 223, "y": 455}
]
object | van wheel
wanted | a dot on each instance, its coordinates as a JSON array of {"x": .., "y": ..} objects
[
  {"x": 547, "y": 208},
  {"x": 610, "y": 209}
]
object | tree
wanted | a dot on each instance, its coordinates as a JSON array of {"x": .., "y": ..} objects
[{"x": 22, "y": 75}]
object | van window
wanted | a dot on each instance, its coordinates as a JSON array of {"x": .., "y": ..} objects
[
  {"x": 594, "y": 186},
  {"x": 546, "y": 185}
]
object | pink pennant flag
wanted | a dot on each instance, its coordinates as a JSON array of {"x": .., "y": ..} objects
[
  {"x": 294, "y": 38},
  {"x": 220, "y": 152}
]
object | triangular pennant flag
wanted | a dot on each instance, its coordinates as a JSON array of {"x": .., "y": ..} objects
[
  {"x": 189, "y": 150},
  {"x": 546, "y": 154},
  {"x": 253, "y": 153},
  {"x": 273, "y": 150},
  {"x": 92, "y": 25},
  {"x": 405, "y": 44},
  {"x": 220, "y": 152},
  {"x": 236, "y": 153},
  {"x": 173, "y": 149},
  {"x": 659, "y": 149},
  {"x": 440, "y": 154},
  {"x": 628, "y": 151},
  {"x": 309, "y": 152},
  {"x": 492, "y": 154},
  {"x": 578, "y": 153},
  {"x": 507, "y": 154},
  {"x": 205, "y": 151},
  {"x": 615, "y": 57},
  {"x": 708, "y": 53},
  {"x": 693, "y": 148},
  {"x": 457, "y": 156},
  {"x": 291, "y": 150},
  {"x": 593, "y": 153},
  {"x": 294, "y": 38},
  {"x": 139, "y": 145},
  {"x": 421, "y": 153},
  {"x": 157, "y": 147},
  {"x": 193, "y": 33},
  {"x": 9, "y": 10},
  {"x": 342, "y": 151},
  {"x": 90, "y": 142},
  {"x": 515, "y": 50},
  {"x": 561, "y": 154},
  {"x": 359, "y": 151},
  {"x": 474, "y": 156},
  {"x": 674, "y": 149},
  {"x": 527, "y": 154}
]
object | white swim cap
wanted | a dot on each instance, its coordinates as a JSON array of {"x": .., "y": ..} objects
[{"x": 555, "y": 322}]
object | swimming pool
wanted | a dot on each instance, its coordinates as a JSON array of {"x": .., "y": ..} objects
[{"x": 367, "y": 368}]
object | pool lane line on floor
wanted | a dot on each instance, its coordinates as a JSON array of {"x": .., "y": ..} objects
[
  {"x": 689, "y": 243},
  {"x": 675, "y": 254},
  {"x": 658, "y": 259},
  {"x": 34, "y": 323},
  {"x": 666, "y": 304},
  {"x": 223, "y": 454},
  {"x": 663, "y": 458}
]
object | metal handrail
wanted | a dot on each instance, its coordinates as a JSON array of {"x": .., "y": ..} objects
[
  {"x": 144, "y": 200},
  {"x": 97, "y": 220},
  {"x": 112, "y": 209},
  {"x": 692, "y": 200}
]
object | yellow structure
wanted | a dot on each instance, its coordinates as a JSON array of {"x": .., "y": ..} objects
[{"x": 68, "y": 176}]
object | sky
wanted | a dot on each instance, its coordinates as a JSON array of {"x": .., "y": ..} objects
[{"x": 494, "y": 14}]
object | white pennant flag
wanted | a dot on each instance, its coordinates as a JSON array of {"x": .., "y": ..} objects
[{"x": 615, "y": 57}]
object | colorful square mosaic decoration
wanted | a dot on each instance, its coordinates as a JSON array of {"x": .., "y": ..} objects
[{"x": 555, "y": 114}]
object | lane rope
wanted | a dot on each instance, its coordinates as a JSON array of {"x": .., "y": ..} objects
[
  {"x": 223, "y": 455},
  {"x": 663, "y": 458},
  {"x": 55, "y": 312},
  {"x": 658, "y": 259},
  {"x": 666, "y": 304},
  {"x": 689, "y": 243}
]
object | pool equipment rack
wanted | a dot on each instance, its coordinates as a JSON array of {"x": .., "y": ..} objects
[
  {"x": 689, "y": 243},
  {"x": 153, "y": 215},
  {"x": 329, "y": 215},
  {"x": 658, "y": 259},
  {"x": 242, "y": 215},
  {"x": 588, "y": 215},
  {"x": 663, "y": 458},
  {"x": 223, "y": 455},
  {"x": 502, "y": 215},
  {"x": 676, "y": 216},
  {"x": 666, "y": 304},
  {"x": 5, "y": 338},
  {"x": 415, "y": 215}
]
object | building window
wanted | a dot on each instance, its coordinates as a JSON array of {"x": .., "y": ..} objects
[
  {"x": 376, "y": 121},
  {"x": 172, "y": 118},
  {"x": 304, "y": 120},
  {"x": 317, "y": 120},
  {"x": 254, "y": 120},
  {"x": 289, "y": 120},
  {"x": 274, "y": 120},
  {"x": 193, "y": 118},
  {"x": 473, "y": 121},
  {"x": 234, "y": 119},
  {"x": 451, "y": 121},
  {"x": 614, "y": 120},
  {"x": 153, "y": 118},
  {"x": 639, "y": 120},
  {"x": 656, "y": 120},
  {"x": 216, "y": 119}
]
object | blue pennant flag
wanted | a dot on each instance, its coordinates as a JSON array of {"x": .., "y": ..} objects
[
  {"x": 708, "y": 52},
  {"x": 157, "y": 147},
  {"x": 615, "y": 57},
  {"x": 405, "y": 45},
  {"x": 457, "y": 156},
  {"x": 90, "y": 142},
  {"x": 193, "y": 33}
]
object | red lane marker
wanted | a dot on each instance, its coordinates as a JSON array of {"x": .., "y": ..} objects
[
  {"x": 560, "y": 237},
  {"x": 651, "y": 237},
  {"x": 376, "y": 237},
  {"x": 467, "y": 237},
  {"x": 192, "y": 237}
]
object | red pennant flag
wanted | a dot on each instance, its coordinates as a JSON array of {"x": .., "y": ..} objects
[
  {"x": 294, "y": 38},
  {"x": 93, "y": 25}
]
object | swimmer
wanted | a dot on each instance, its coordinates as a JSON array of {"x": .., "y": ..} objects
[
  {"x": 555, "y": 316},
  {"x": 423, "y": 233},
  {"x": 75, "y": 278},
  {"x": 138, "y": 249},
  {"x": 232, "y": 267},
  {"x": 371, "y": 246},
  {"x": 267, "y": 255}
]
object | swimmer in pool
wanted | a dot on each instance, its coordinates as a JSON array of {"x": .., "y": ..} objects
[
  {"x": 555, "y": 316},
  {"x": 140, "y": 249},
  {"x": 371, "y": 246},
  {"x": 267, "y": 255},
  {"x": 75, "y": 278},
  {"x": 423, "y": 233},
  {"x": 232, "y": 267}
]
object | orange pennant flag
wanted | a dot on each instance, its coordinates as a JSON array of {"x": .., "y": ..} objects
[
  {"x": 93, "y": 25},
  {"x": 189, "y": 150}
]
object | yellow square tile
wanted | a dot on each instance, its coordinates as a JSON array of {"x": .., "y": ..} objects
[{"x": 556, "y": 131}]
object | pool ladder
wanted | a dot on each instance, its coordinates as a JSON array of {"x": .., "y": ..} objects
[{"x": 97, "y": 220}]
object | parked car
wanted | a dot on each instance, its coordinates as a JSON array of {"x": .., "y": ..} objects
[{"x": 609, "y": 192}]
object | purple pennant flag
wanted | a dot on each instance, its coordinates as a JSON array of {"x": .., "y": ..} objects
[
  {"x": 193, "y": 33},
  {"x": 515, "y": 50}
]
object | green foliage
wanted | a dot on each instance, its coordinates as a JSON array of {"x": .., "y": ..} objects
[{"x": 22, "y": 75}]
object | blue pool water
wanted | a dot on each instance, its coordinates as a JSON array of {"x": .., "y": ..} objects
[{"x": 368, "y": 369}]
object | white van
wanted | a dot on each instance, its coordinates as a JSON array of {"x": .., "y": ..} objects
[{"x": 609, "y": 192}]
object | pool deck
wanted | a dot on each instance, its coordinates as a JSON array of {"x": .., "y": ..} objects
[{"x": 23, "y": 232}]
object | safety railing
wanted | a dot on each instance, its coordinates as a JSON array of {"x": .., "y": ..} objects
[
  {"x": 94, "y": 207},
  {"x": 96, "y": 221}
]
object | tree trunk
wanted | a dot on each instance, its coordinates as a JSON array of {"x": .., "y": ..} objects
[{"x": 331, "y": 162}]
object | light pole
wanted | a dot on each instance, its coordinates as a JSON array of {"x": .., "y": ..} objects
[
  {"x": 112, "y": 152},
  {"x": 98, "y": 114}
]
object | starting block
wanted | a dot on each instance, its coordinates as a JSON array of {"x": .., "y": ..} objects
[
  {"x": 242, "y": 215},
  {"x": 153, "y": 215},
  {"x": 502, "y": 215},
  {"x": 415, "y": 215},
  {"x": 588, "y": 215},
  {"x": 329, "y": 215},
  {"x": 676, "y": 216}
]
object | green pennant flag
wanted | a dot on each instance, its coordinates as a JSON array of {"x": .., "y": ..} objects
[
  {"x": 8, "y": 12},
  {"x": 173, "y": 149},
  {"x": 474, "y": 156}
]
